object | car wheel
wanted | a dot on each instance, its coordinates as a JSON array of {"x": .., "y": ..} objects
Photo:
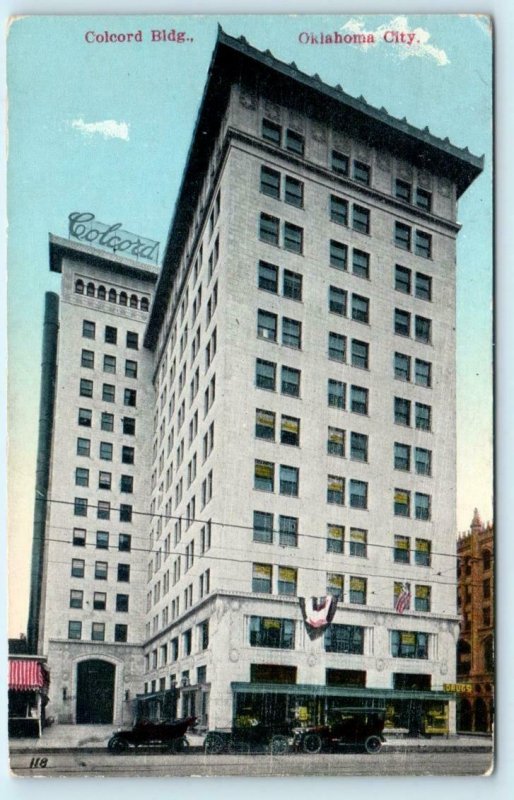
[
  {"x": 214, "y": 744},
  {"x": 312, "y": 743},
  {"x": 117, "y": 744},
  {"x": 279, "y": 745},
  {"x": 373, "y": 744},
  {"x": 180, "y": 745}
]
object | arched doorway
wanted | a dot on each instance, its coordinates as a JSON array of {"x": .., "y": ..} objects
[
  {"x": 465, "y": 722},
  {"x": 95, "y": 692},
  {"x": 481, "y": 722}
]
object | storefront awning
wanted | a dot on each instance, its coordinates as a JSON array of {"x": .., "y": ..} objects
[
  {"x": 27, "y": 675},
  {"x": 310, "y": 690}
]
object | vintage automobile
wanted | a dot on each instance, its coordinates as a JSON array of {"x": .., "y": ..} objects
[
  {"x": 147, "y": 733},
  {"x": 248, "y": 737},
  {"x": 350, "y": 727}
]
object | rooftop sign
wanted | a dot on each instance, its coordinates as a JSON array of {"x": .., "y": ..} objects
[{"x": 85, "y": 228}]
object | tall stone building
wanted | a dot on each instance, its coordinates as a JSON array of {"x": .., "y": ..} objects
[{"x": 295, "y": 432}]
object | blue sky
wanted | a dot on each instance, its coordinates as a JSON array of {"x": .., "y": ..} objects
[{"x": 106, "y": 128}]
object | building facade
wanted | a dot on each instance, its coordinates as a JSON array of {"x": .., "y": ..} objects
[
  {"x": 475, "y": 648},
  {"x": 296, "y": 393}
]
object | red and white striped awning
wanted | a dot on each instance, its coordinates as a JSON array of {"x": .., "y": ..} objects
[{"x": 27, "y": 675}]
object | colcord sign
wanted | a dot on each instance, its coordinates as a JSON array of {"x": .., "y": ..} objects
[{"x": 85, "y": 228}]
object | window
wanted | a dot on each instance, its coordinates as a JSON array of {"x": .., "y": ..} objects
[
  {"x": 292, "y": 285},
  {"x": 74, "y": 629},
  {"x": 111, "y": 334},
  {"x": 335, "y": 585},
  {"x": 77, "y": 567},
  {"x": 401, "y": 411},
  {"x": 422, "y": 506},
  {"x": 81, "y": 477},
  {"x": 401, "y": 367},
  {"x": 271, "y": 132},
  {"x": 336, "y": 393},
  {"x": 86, "y": 388},
  {"x": 402, "y": 279},
  {"x": 360, "y": 264},
  {"x": 262, "y": 527},
  {"x": 127, "y": 484},
  {"x": 338, "y": 210},
  {"x": 99, "y": 601},
  {"x": 336, "y": 346},
  {"x": 361, "y": 172},
  {"x": 130, "y": 368},
  {"x": 294, "y": 142},
  {"x": 87, "y": 359},
  {"x": 123, "y": 573},
  {"x": 265, "y": 424},
  {"x": 88, "y": 329},
  {"x": 270, "y": 182},
  {"x": 293, "y": 238},
  {"x": 129, "y": 397},
  {"x": 423, "y": 199},
  {"x": 359, "y": 400},
  {"x": 268, "y": 277},
  {"x": 340, "y": 163},
  {"x": 80, "y": 507},
  {"x": 335, "y": 538},
  {"x": 360, "y": 308},
  {"x": 401, "y": 503},
  {"x": 265, "y": 374},
  {"x": 402, "y": 236},
  {"x": 98, "y": 631},
  {"x": 272, "y": 632},
  {"x": 287, "y": 578},
  {"x": 360, "y": 354},
  {"x": 106, "y": 451},
  {"x": 102, "y": 540},
  {"x": 108, "y": 393},
  {"x": 124, "y": 542},
  {"x": 409, "y": 644},
  {"x": 289, "y": 477},
  {"x": 122, "y": 602},
  {"x": 291, "y": 333},
  {"x": 125, "y": 513},
  {"x": 423, "y": 415},
  {"x": 422, "y": 598},
  {"x": 403, "y": 191},
  {"x": 264, "y": 476},
  {"x": 358, "y": 494},
  {"x": 337, "y": 299},
  {"x": 401, "y": 322},
  {"x": 290, "y": 381},
  {"x": 79, "y": 537},
  {"x": 423, "y": 244},
  {"x": 266, "y": 325},
  {"x": 101, "y": 570},
  {"x": 269, "y": 229},
  {"x": 83, "y": 447},
  {"x": 358, "y": 542},
  {"x": 401, "y": 552},
  {"x": 335, "y": 490},
  {"x": 358, "y": 588},
  {"x": 335, "y": 442},
  {"x": 129, "y": 425},
  {"x": 120, "y": 632},
  {"x": 109, "y": 364},
  {"x": 127, "y": 455},
  {"x": 107, "y": 422},
  {"x": 288, "y": 531},
  {"x": 423, "y": 286},
  {"x": 132, "y": 340},
  {"x": 423, "y": 552},
  {"x": 76, "y": 598},
  {"x": 358, "y": 446},
  {"x": 423, "y": 329},
  {"x": 261, "y": 578},
  {"x": 423, "y": 461},
  {"x": 401, "y": 456},
  {"x": 360, "y": 219},
  {"x": 344, "y": 639},
  {"x": 290, "y": 430},
  {"x": 85, "y": 417},
  {"x": 293, "y": 192},
  {"x": 338, "y": 255}
]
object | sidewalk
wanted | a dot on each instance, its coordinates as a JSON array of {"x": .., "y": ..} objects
[{"x": 60, "y": 738}]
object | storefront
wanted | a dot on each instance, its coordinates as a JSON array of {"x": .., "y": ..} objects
[{"x": 28, "y": 696}]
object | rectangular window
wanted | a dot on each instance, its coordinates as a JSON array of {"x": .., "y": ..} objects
[
  {"x": 360, "y": 354},
  {"x": 80, "y": 507},
  {"x": 401, "y": 322},
  {"x": 102, "y": 540},
  {"x": 107, "y": 422},
  {"x": 290, "y": 381},
  {"x": 262, "y": 527},
  {"x": 104, "y": 480},
  {"x": 335, "y": 442},
  {"x": 293, "y": 238},
  {"x": 264, "y": 476},
  {"x": 77, "y": 567},
  {"x": 129, "y": 426},
  {"x": 124, "y": 542},
  {"x": 101, "y": 570},
  {"x": 111, "y": 334},
  {"x": 401, "y": 552},
  {"x": 87, "y": 359},
  {"x": 401, "y": 411},
  {"x": 106, "y": 451},
  {"x": 98, "y": 632},
  {"x": 76, "y": 598},
  {"x": 130, "y": 368},
  {"x": 266, "y": 325},
  {"x": 268, "y": 277},
  {"x": 293, "y": 192},
  {"x": 360, "y": 308},
  {"x": 88, "y": 329},
  {"x": 269, "y": 229},
  {"x": 74, "y": 629},
  {"x": 422, "y": 598},
  {"x": 129, "y": 397},
  {"x": 423, "y": 329},
  {"x": 401, "y": 503},
  {"x": 358, "y": 446},
  {"x": 423, "y": 417},
  {"x": 358, "y": 494},
  {"x": 108, "y": 393},
  {"x": 270, "y": 182},
  {"x": 132, "y": 340},
  {"x": 99, "y": 601},
  {"x": 289, "y": 477},
  {"x": 265, "y": 374},
  {"x": 336, "y": 347},
  {"x": 361, "y": 172},
  {"x": 335, "y": 538},
  {"x": 335, "y": 490},
  {"x": 338, "y": 255},
  {"x": 344, "y": 639},
  {"x": 287, "y": 579},
  {"x": 294, "y": 142},
  {"x": 409, "y": 644},
  {"x": 358, "y": 542},
  {"x": 422, "y": 506},
  {"x": 83, "y": 447},
  {"x": 121, "y": 633},
  {"x": 86, "y": 388},
  {"x": 288, "y": 531},
  {"x": 360, "y": 219},
  {"x": 336, "y": 393},
  {"x": 402, "y": 279},
  {"x": 402, "y": 190},
  {"x": 423, "y": 553},
  {"x": 401, "y": 596},
  {"x": 338, "y": 210},
  {"x": 123, "y": 573},
  {"x": 337, "y": 301},
  {"x": 423, "y": 286},
  {"x": 271, "y": 132},
  {"x": 422, "y": 373},
  {"x": 335, "y": 585},
  {"x": 125, "y": 513},
  {"x": 291, "y": 333},
  {"x": 265, "y": 424},
  {"x": 423, "y": 199},
  {"x": 109, "y": 364},
  {"x": 127, "y": 455},
  {"x": 423, "y": 244},
  {"x": 360, "y": 263},
  {"x": 261, "y": 578},
  {"x": 127, "y": 484},
  {"x": 340, "y": 163},
  {"x": 290, "y": 431},
  {"x": 122, "y": 603},
  {"x": 402, "y": 456},
  {"x": 85, "y": 417},
  {"x": 292, "y": 285},
  {"x": 358, "y": 590},
  {"x": 402, "y": 236},
  {"x": 401, "y": 367},
  {"x": 272, "y": 632},
  {"x": 79, "y": 537}
]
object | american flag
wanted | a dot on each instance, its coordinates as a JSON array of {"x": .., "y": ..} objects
[{"x": 403, "y": 600}]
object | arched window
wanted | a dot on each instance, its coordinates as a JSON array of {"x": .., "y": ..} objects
[
  {"x": 486, "y": 559},
  {"x": 133, "y": 301},
  {"x": 112, "y": 296},
  {"x": 123, "y": 298},
  {"x": 90, "y": 290},
  {"x": 144, "y": 304},
  {"x": 79, "y": 286},
  {"x": 101, "y": 293}
]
